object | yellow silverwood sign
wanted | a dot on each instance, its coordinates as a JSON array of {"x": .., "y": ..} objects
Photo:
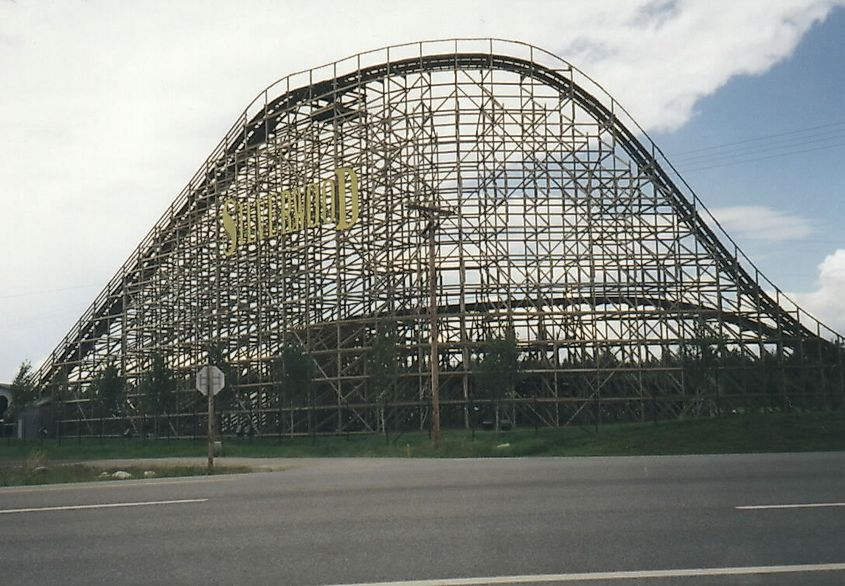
[{"x": 333, "y": 200}]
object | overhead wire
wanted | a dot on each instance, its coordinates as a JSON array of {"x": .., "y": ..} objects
[
  {"x": 762, "y": 137},
  {"x": 47, "y": 291},
  {"x": 743, "y": 161},
  {"x": 764, "y": 147},
  {"x": 824, "y": 136}
]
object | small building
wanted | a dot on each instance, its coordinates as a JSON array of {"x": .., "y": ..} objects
[
  {"x": 5, "y": 399},
  {"x": 36, "y": 419},
  {"x": 5, "y": 404}
]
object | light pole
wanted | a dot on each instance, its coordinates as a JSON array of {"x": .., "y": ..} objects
[{"x": 433, "y": 214}]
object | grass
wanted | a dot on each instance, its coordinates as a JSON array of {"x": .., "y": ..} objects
[
  {"x": 772, "y": 432},
  {"x": 37, "y": 469},
  {"x": 17, "y": 476}
]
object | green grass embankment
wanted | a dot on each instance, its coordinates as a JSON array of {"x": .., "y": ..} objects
[
  {"x": 774, "y": 432},
  {"x": 36, "y": 470}
]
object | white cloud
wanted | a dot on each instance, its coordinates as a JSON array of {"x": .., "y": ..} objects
[
  {"x": 659, "y": 58},
  {"x": 762, "y": 223},
  {"x": 108, "y": 108},
  {"x": 827, "y": 302}
]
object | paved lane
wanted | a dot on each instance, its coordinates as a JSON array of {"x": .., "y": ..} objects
[{"x": 357, "y": 521}]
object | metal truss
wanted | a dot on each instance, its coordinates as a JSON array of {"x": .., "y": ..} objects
[{"x": 569, "y": 229}]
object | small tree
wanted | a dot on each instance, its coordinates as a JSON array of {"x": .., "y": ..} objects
[
  {"x": 57, "y": 388},
  {"x": 224, "y": 400},
  {"x": 107, "y": 389},
  {"x": 384, "y": 369},
  {"x": 498, "y": 371},
  {"x": 158, "y": 386},
  {"x": 280, "y": 389},
  {"x": 296, "y": 371},
  {"x": 23, "y": 387}
]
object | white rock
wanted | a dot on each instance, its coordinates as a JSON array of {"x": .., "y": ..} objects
[
  {"x": 105, "y": 474},
  {"x": 503, "y": 446},
  {"x": 121, "y": 475},
  {"x": 149, "y": 474}
]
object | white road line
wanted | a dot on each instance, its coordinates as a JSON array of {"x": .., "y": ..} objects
[
  {"x": 634, "y": 575},
  {"x": 102, "y": 506},
  {"x": 797, "y": 506}
]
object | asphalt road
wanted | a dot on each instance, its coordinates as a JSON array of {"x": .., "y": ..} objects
[{"x": 353, "y": 521}]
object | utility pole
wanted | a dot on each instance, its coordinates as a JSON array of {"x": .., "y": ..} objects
[{"x": 432, "y": 214}]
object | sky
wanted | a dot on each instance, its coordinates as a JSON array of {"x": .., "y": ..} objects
[{"x": 108, "y": 108}]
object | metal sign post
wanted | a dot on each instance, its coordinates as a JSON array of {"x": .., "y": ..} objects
[
  {"x": 210, "y": 381},
  {"x": 210, "y": 469}
]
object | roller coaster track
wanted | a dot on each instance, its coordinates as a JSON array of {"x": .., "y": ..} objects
[{"x": 199, "y": 198}]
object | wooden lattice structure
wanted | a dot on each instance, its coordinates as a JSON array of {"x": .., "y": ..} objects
[{"x": 568, "y": 228}]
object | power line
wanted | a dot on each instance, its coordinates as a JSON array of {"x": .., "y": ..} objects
[
  {"x": 682, "y": 154},
  {"x": 763, "y": 147},
  {"x": 46, "y": 291},
  {"x": 743, "y": 161}
]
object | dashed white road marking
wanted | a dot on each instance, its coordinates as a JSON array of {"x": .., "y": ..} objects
[
  {"x": 100, "y": 506},
  {"x": 795, "y": 506},
  {"x": 633, "y": 575}
]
